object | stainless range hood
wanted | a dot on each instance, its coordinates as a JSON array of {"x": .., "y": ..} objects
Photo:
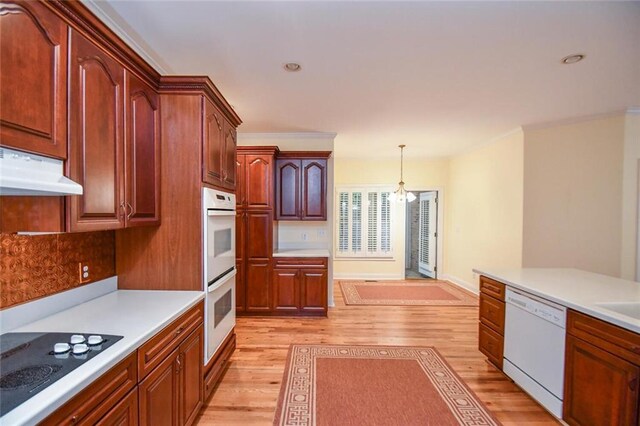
[{"x": 22, "y": 173}]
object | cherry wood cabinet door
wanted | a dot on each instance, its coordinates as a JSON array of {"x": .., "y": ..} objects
[
  {"x": 95, "y": 139},
  {"x": 240, "y": 180},
  {"x": 142, "y": 154},
  {"x": 159, "y": 394},
  {"x": 258, "y": 234},
  {"x": 240, "y": 286},
  {"x": 259, "y": 181},
  {"x": 229, "y": 156},
  {"x": 314, "y": 190},
  {"x": 124, "y": 413},
  {"x": 286, "y": 290},
  {"x": 33, "y": 81},
  {"x": 191, "y": 354},
  {"x": 212, "y": 144},
  {"x": 288, "y": 191},
  {"x": 600, "y": 388},
  {"x": 258, "y": 285},
  {"x": 313, "y": 291}
]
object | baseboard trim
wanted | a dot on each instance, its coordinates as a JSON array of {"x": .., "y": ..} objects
[
  {"x": 460, "y": 283},
  {"x": 364, "y": 276}
]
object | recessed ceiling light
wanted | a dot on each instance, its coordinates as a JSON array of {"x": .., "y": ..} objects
[
  {"x": 292, "y": 67},
  {"x": 572, "y": 59}
]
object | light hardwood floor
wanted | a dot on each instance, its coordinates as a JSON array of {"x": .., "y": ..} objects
[{"x": 248, "y": 392}]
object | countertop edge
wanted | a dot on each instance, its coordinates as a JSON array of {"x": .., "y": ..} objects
[
  {"x": 610, "y": 317},
  {"x": 33, "y": 411}
]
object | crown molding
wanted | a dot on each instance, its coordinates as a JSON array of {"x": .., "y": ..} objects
[
  {"x": 287, "y": 135},
  {"x": 575, "y": 120},
  {"x": 95, "y": 6}
]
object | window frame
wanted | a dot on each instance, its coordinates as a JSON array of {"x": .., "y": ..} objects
[{"x": 364, "y": 252}]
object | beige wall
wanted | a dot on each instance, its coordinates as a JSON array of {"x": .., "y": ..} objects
[
  {"x": 418, "y": 174},
  {"x": 484, "y": 209},
  {"x": 630, "y": 192},
  {"x": 573, "y": 195}
]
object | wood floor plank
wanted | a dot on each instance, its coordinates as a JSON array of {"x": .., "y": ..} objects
[{"x": 248, "y": 393}]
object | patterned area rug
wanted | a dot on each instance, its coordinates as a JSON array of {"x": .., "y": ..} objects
[
  {"x": 406, "y": 293},
  {"x": 374, "y": 385}
]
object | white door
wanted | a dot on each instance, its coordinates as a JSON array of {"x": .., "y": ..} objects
[{"x": 427, "y": 233}]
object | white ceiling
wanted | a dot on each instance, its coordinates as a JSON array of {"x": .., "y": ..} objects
[{"x": 438, "y": 76}]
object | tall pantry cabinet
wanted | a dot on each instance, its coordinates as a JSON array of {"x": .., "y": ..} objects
[{"x": 255, "y": 227}]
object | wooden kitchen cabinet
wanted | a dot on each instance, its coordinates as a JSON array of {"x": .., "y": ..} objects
[
  {"x": 218, "y": 147},
  {"x": 258, "y": 191},
  {"x": 159, "y": 394},
  {"x": 33, "y": 82},
  {"x": 301, "y": 186},
  {"x": 142, "y": 153},
  {"x": 491, "y": 320},
  {"x": 258, "y": 286},
  {"x": 191, "y": 360},
  {"x": 96, "y": 151},
  {"x": 119, "y": 173},
  {"x": 300, "y": 286},
  {"x": 602, "y": 373},
  {"x": 125, "y": 413}
]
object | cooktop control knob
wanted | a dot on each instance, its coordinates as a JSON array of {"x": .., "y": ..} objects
[
  {"x": 80, "y": 349},
  {"x": 60, "y": 348},
  {"x": 77, "y": 338},
  {"x": 95, "y": 340}
]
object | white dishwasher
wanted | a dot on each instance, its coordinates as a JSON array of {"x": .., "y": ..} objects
[{"x": 534, "y": 341}]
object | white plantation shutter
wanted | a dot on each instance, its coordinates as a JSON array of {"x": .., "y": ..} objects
[{"x": 364, "y": 225}]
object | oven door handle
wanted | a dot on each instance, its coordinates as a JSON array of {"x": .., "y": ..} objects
[
  {"x": 212, "y": 212},
  {"x": 215, "y": 284}
]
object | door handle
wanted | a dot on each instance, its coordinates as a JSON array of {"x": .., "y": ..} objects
[{"x": 130, "y": 211}]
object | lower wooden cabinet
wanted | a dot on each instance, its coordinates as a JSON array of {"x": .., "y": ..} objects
[
  {"x": 602, "y": 373},
  {"x": 299, "y": 286},
  {"x": 491, "y": 320},
  {"x": 258, "y": 286},
  {"x": 150, "y": 386},
  {"x": 218, "y": 364},
  {"x": 125, "y": 413}
]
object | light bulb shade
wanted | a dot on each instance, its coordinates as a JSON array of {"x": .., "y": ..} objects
[{"x": 410, "y": 197}]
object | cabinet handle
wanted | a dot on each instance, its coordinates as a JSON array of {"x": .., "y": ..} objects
[
  {"x": 636, "y": 349},
  {"x": 123, "y": 211},
  {"x": 178, "y": 364},
  {"x": 130, "y": 211},
  {"x": 178, "y": 331},
  {"x": 74, "y": 419}
]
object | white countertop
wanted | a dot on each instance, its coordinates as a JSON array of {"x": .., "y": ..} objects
[
  {"x": 579, "y": 290},
  {"x": 135, "y": 314},
  {"x": 301, "y": 253}
]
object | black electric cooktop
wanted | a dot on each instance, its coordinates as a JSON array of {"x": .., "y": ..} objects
[{"x": 29, "y": 364}]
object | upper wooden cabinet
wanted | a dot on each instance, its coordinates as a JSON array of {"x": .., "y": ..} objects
[
  {"x": 116, "y": 160},
  {"x": 33, "y": 81},
  {"x": 96, "y": 151},
  {"x": 301, "y": 186},
  {"x": 218, "y": 148},
  {"x": 255, "y": 168},
  {"x": 142, "y": 153}
]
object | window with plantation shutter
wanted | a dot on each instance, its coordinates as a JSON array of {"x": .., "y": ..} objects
[{"x": 364, "y": 227}]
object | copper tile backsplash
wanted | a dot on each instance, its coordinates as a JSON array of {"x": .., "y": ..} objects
[{"x": 34, "y": 266}]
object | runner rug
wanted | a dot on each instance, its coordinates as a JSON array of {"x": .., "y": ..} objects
[
  {"x": 374, "y": 385},
  {"x": 406, "y": 293}
]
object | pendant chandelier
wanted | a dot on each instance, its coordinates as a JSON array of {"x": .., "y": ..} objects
[{"x": 401, "y": 195}]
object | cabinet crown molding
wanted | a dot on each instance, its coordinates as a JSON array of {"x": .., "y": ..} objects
[{"x": 304, "y": 154}]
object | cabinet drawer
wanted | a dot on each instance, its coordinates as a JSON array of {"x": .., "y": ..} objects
[
  {"x": 98, "y": 398},
  {"x": 162, "y": 344},
  {"x": 491, "y": 344},
  {"x": 300, "y": 262},
  {"x": 492, "y": 313},
  {"x": 213, "y": 377},
  {"x": 492, "y": 288},
  {"x": 614, "y": 339}
]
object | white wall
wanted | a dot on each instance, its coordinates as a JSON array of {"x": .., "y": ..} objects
[
  {"x": 484, "y": 209},
  {"x": 630, "y": 190}
]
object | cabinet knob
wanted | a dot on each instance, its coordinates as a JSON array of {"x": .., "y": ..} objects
[{"x": 633, "y": 384}]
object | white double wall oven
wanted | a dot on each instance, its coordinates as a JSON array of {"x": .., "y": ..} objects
[{"x": 219, "y": 223}]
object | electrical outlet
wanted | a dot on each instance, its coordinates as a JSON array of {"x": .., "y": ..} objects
[
  {"x": 321, "y": 233},
  {"x": 304, "y": 236},
  {"x": 83, "y": 272}
]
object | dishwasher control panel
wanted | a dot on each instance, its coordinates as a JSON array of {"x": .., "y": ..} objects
[{"x": 544, "y": 309}]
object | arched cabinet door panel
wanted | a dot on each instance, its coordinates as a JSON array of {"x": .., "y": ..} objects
[
  {"x": 314, "y": 190},
  {"x": 259, "y": 181},
  {"x": 95, "y": 138},
  {"x": 142, "y": 154},
  {"x": 33, "y": 87},
  {"x": 288, "y": 180},
  {"x": 213, "y": 140}
]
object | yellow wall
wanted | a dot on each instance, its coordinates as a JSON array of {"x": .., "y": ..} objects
[
  {"x": 573, "y": 195},
  {"x": 418, "y": 174},
  {"x": 484, "y": 209}
]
